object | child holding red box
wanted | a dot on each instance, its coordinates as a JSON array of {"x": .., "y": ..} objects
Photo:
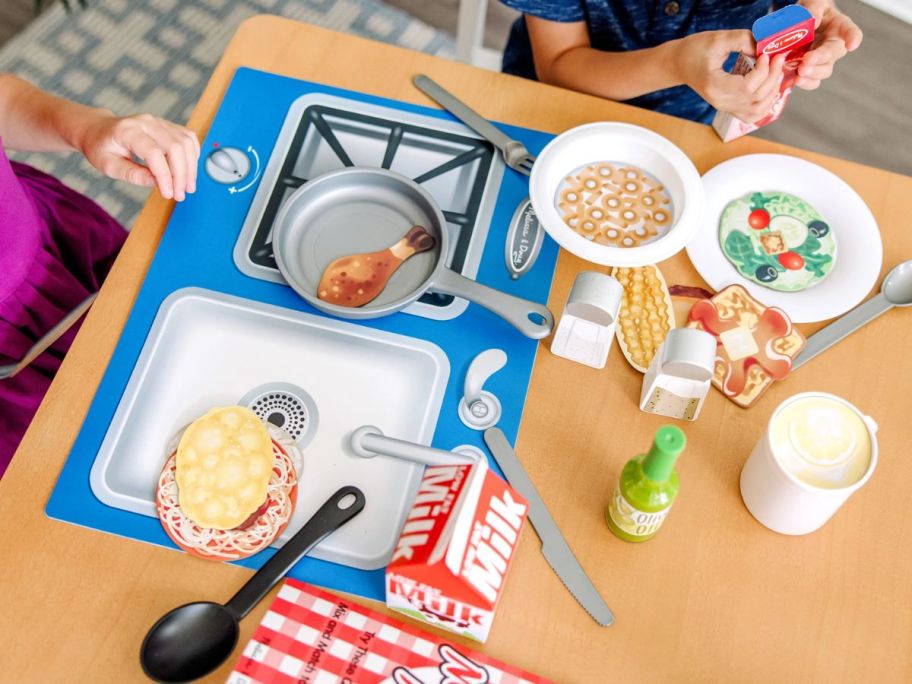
[{"x": 668, "y": 55}]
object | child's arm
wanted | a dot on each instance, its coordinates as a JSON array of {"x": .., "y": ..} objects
[
  {"x": 564, "y": 56},
  {"x": 31, "y": 119}
]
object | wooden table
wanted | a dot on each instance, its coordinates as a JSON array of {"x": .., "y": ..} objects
[{"x": 714, "y": 597}]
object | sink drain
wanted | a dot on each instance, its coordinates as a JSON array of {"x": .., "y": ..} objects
[{"x": 287, "y": 407}]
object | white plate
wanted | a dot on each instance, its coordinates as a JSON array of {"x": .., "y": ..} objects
[
  {"x": 617, "y": 142},
  {"x": 858, "y": 246}
]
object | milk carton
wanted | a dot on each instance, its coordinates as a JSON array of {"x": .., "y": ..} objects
[
  {"x": 452, "y": 558},
  {"x": 789, "y": 30}
]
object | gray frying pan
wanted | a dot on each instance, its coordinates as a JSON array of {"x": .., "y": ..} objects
[{"x": 360, "y": 210}]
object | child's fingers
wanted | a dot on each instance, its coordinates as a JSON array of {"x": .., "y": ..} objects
[
  {"x": 177, "y": 162},
  {"x": 759, "y": 75},
  {"x": 770, "y": 86},
  {"x": 192, "y": 148},
  {"x": 808, "y": 83}
]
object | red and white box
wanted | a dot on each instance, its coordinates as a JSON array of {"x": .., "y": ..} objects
[
  {"x": 789, "y": 30},
  {"x": 452, "y": 558},
  {"x": 310, "y": 636}
]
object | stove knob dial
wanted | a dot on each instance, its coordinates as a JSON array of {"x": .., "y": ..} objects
[
  {"x": 480, "y": 409},
  {"x": 227, "y": 165}
]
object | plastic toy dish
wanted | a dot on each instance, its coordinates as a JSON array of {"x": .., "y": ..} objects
[
  {"x": 618, "y": 145},
  {"x": 854, "y": 272}
]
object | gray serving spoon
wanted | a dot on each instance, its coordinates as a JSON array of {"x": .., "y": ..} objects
[
  {"x": 194, "y": 639},
  {"x": 896, "y": 290}
]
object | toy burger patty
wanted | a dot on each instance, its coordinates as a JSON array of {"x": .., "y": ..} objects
[
  {"x": 777, "y": 240},
  {"x": 219, "y": 503}
]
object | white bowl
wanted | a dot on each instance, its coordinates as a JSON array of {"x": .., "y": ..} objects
[{"x": 617, "y": 142}]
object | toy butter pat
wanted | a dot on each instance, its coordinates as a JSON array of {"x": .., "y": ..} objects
[
  {"x": 789, "y": 30},
  {"x": 756, "y": 344},
  {"x": 680, "y": 374},
  {"x": 452, "y": 558},
  {"x": 586, "y": 328}
]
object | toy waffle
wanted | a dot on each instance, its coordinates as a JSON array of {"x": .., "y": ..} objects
[
  {"x": 646, "y": 315},
  {"x": 777, "y": 240},
  {"x": 756, "y": 343}
]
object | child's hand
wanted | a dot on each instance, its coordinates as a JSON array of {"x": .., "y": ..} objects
[
  {"x": 836, "y": 35},
  {"x": 170, "y": 152},
  {"x": 700, "y": 58}
]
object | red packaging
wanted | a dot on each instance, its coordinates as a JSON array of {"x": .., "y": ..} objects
[
  {"x": 452, "y": 558},
  {"x": 309, "y": 636},
  {"x": 789, "y": 30}
]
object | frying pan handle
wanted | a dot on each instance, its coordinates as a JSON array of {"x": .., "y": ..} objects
[
  {"x": 330, "y": 516},
  {"x": 530, "y": 318}
]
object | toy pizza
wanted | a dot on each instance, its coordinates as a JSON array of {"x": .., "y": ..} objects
[
  {"x": 756, "y": 343},
  {"x": 777, "y": 240}
]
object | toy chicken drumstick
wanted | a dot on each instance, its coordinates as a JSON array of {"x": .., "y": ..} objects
[{"x": 357, "y": 279}]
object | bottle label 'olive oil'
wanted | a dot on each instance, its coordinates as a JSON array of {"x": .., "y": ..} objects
[{"x": 631, "y": 519}]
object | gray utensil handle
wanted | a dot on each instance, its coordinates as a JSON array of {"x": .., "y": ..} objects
[
  {"x": 461, "y": 111},
  {"x": 842, "y": 327},
  {"x": 328, "y": 518},
  {"x": 513, "y": 310},
  {"x": 48, "y": 339}
]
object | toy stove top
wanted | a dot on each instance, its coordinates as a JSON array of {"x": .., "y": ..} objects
[
  {"x": 322, "y": 133},
  {"x": 213, "y": 319}
]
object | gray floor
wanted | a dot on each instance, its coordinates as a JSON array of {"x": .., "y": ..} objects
[{"x": 862, "y": 113}]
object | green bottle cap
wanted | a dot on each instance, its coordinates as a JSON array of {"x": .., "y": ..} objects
[{"x": 668, "y": 444}]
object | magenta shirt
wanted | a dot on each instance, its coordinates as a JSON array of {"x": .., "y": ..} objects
[{"x": 56, "y": 247}]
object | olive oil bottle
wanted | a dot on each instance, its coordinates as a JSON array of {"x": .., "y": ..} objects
[{"x": 647, "y": 488}]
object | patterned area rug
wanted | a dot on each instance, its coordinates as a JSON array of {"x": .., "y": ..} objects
[{"x": 156, "y": 56}]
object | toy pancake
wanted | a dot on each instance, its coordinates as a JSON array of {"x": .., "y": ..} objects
[{"x": 756, "y": 343}]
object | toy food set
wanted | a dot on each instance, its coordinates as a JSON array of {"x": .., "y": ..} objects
[
  {"x": 789, "y": 30},
  {"x": 680, "y": 374},
  {"x": 586, "y": 328},
  {"x": 647, "y": 488},
  {"x": 229, "y": 486},
  {"x": 452, "y": 558},
  {"x": 777, "y": 240},
  {"x": 816, "y": 452},
  {"x": 309, "y": 636},
  {"x": 615, "y": 204},
  {"x": 357, "y": 279},
  {"x": 756, "y": 343},
  {"x": 647, "y": 314}
]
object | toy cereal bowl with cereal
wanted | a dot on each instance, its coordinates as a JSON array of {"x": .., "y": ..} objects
[{"x": 616, "y": 194}]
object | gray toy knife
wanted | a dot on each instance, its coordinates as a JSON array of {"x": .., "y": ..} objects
[{"x": 554, "y": 546}]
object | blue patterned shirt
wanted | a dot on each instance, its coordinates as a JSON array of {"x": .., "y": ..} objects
[{"x": 616, "y": 26}]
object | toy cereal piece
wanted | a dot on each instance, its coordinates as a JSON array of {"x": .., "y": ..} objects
[
  {"x": 646, "y": 314},
  {"x": 777, "y": 240},
  {"x": 756, "y": 343}
]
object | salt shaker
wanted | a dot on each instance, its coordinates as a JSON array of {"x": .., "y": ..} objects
[
  {"x": 586, "y": 328},
  {"x": 680, "y": 374}
]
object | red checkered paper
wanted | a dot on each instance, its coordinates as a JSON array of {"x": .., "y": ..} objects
[{"x": 310, "y": 636}]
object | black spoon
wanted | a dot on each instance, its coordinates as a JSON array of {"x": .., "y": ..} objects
[{"x": 194, "y": 639}]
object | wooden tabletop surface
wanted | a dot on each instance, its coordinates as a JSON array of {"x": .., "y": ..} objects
[{"x": 714, "y": 597}]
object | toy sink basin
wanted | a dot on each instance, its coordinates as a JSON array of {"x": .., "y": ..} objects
[
  {"x": 617, "y": 143},
  {"x": 317, "y": 378}
]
